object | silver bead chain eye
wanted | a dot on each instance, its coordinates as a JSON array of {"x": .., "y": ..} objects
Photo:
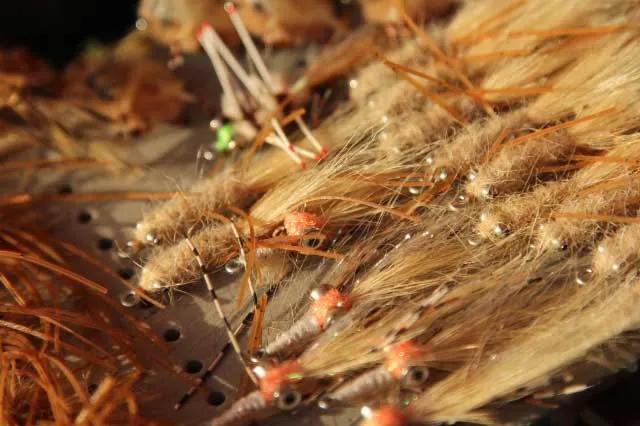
[
  {"x": 415, "y": 376},
  {"x": 288, "y": 399},
  {"x": 313, "y": 243}
]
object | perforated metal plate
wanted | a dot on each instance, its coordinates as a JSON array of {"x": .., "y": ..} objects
[{"x": 167, "y": 162}]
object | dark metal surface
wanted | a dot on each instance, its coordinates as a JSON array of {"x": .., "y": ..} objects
[{"x": 166, "y": 161}]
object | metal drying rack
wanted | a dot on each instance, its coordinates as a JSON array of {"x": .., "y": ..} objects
[{"x": 189, "y": 324}]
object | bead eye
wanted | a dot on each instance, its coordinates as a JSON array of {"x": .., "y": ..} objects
[
  {"x": 313, "y": 239},
  {"x": 415, "y": 376},
  {"x": 289, "y": 399}
]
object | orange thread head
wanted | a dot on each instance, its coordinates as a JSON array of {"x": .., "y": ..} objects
[
  {"x": 299, "y": 223},
  {"x": 230, "y": 8},
  {"x": 401, "y": 356},
  {"x": 387, "y": 415},
  {"x": 204, "y": 27},
  {"x": 327, "y": 303},
  {"x": 276, "y": 378}
]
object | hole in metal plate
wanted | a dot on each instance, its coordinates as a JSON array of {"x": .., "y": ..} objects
[
  {"x": 171, "y": 335},
  {"x": 193, "y": 366},
  {"x": 65, "y": 189},
  {"x": 105, "y": 244},
  {"x": 84, "y": 217},
  {"x": 216, "y": 398},
  {"x": 126, "y": 273}
]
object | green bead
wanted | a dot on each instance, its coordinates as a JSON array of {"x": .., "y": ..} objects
[{"x": 224, "y": 136}]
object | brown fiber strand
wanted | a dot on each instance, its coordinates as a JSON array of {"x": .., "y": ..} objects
[
  {"x": 365, "y": 203},
  {"x": 434, "y": 97},
  {"x": 558, "y": 32},
  {"x": 54, "y": 268},
  {"x": 93, "y": 261},
  {"x": 298, "y": 249},
  {"x": 89, "y": 197},
  {"x": 561, "y": 126},
  {"x": 595, "y": 217}
]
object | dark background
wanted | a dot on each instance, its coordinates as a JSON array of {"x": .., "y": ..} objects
[{"x": 57, "y": 30}]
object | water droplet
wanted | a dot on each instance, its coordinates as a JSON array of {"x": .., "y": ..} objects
[
  {"x": 142, "y": 24},
  {"x": 129, "y": 299},
  {"x": 234, "y": 266}
]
